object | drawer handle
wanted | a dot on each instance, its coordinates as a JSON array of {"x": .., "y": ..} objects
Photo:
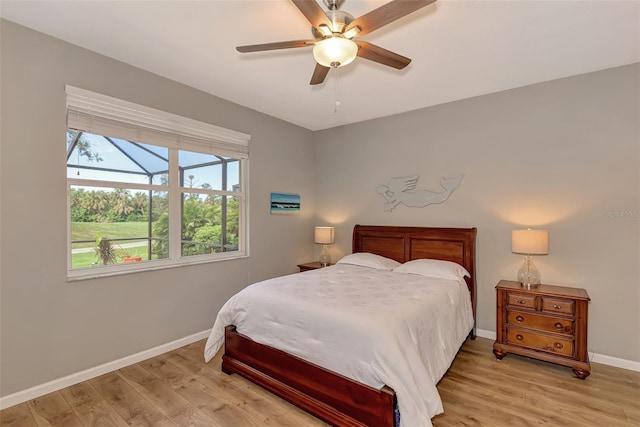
[
  {"x": 556, "y": 306},
  {"x": 558, "y": 326},
  {"x": 521, "y": 301},
  {"x": 520, "y": 319},
  {"x": 519, "y": 337},
  {"x": 558, "y": 345}
]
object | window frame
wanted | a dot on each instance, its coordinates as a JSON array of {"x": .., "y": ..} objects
[{"x": 85, "y": 109}]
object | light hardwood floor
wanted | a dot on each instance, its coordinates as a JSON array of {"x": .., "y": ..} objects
[{"x": 179, "y": 389}]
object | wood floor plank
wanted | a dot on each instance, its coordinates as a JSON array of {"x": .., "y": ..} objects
[
  {"x": 128, "y": 403},
  {"x": 53, "y": 410},
  {"x": 238, "y": 393},
  {"x": 179, "y": 389},
  {"x": 236, "y": 388},
  {"x": 220, "y": 396},
  {"x": 281, "y": 413},
  {"x": 477, "y": 411},
  {"x": 632, "y": 415},
  {"x": 232, "y": 393},
  {"x": 92, "y": 409},
  {"x": 155, "y": 379},
  {"x": 190, "y": 416},
  {"x": 198, "y": 368},
  {"x": 17, "y": 416},
  {"x": 167, "y": 372},
  {"x": 217, "y": 406},
  {"x": 525, "y": 388},
  {"x": 534, "y": 397},
  {"x": 160, "y": 395}
]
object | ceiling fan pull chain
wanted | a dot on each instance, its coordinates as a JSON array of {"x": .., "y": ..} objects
[{"x": 336, "y": 91}]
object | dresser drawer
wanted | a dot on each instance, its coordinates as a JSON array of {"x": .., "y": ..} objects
[
  {"x": 521, "y": 300},
  {"x": 540, "y": 342},
  {"x": 541, "y": 323},
  {"x": 553, "y": 305}
]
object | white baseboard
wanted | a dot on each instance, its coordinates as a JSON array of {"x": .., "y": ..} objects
[
  {"x": 614, "y": 361},
  {"x": 593, "y": 357},
  {"x": 87, "y": 374},
  {"x": 483, "y": 333}
]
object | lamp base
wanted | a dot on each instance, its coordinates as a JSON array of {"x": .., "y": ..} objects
[
  {"x": 528, "y": 275},
  {"x": 529, "y": 285},
  {"x": 325, "y": 258}
]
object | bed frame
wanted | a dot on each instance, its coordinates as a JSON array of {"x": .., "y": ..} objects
[{"x": 331, "y": 397}]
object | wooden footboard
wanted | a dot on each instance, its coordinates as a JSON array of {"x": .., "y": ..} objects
[{"x": 331, "y": 397}]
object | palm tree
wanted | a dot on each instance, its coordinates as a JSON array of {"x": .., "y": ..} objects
[
  {"x": 105, "y": 251},
  {"x": 139, "y": 204},
  {"x": 121, "y": 206},
  {"x": 98, "y": 202}
]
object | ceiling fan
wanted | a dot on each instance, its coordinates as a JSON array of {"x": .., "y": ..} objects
[{"x": 333, "y": 32}]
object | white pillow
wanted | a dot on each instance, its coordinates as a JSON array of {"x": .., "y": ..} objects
[
  {"x": 434, "y": 268},
  {"x": 366, "y": 259}
]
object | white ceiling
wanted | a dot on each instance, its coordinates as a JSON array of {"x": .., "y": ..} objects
[{"x": 460, "y": 49}]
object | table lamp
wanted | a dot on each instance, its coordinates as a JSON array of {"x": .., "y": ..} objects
[
  {"x": 529, "y": 242},
  {"x": 325, "y": 236}
]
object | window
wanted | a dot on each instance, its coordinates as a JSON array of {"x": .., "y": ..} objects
[{"x": 148, "y": 189}]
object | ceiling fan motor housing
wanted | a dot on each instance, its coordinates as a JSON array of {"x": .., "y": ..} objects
[
  {"x": 339, "y": 22},
  {"x": 333, "y": 4}
]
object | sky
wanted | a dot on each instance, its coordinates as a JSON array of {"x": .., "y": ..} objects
[{"x": 154, "y": 161}]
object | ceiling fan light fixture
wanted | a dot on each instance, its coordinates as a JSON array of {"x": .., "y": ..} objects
[
  {"x": 335, "y": 51},
  {"x": 325, "y": 30},
  {"x": 352, "y": 32}
]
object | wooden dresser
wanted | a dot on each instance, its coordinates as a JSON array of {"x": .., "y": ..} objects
[{"x": 546, "y": 322}]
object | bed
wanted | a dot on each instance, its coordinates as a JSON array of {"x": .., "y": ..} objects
[{"x": 322, "y": 388}]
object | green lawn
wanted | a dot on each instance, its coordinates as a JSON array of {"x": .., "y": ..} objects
[
  {"x": 90, "y": 259},
  {"x": 117, "y": 230},
  {"x": 93, "y": 230}
]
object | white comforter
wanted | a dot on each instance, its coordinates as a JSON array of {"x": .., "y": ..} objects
[{"x": 375, "y": 326}]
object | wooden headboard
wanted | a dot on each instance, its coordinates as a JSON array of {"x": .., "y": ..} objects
[{"x": 408, "y": 243}]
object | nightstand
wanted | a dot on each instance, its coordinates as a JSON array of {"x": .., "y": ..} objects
[
  {"x": 310, "y": 266},
  {"x": 546, "y": 322}
]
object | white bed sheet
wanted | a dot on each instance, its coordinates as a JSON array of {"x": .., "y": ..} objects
[{"x": 374, "y": 326}]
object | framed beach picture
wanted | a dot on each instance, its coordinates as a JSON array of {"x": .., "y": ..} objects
[{"x": 283, "y": 204}]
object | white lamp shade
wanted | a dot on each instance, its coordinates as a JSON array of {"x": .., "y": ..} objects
[
  {"x": 530, "y": 242},
  {"x": 325, "y": 235},
  {"x": 335, "y": 51}
]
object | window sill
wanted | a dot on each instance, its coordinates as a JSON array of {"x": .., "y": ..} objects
[{"x": 131, "y": 268}]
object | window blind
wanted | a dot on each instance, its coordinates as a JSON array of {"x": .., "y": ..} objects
[{"x": 103, "y": 115}]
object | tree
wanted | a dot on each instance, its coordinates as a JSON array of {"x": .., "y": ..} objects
[
  {"x": 99, "y": 201},
  {"x": 121, "y": 204},
  {"x": 233, "y": 221},
  {"x": 83, "y": 145},
  {"x": 208, "y": 234},
  {"x": 105, "y": 251},
  {"x": 139, "y": 204},
  {"x": 161, "y": 230},
  {"x": 201, "y": 226}
]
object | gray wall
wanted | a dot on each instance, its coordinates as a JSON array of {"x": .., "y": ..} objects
[
  {"x": 562, "y": 155},
  {"x": 50, "y": 327},
  {"x": 558, "y": 155}
]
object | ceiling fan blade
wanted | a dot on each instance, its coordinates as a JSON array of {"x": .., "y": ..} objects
[
  {"x": 386, "y": 14},
  {"x": 274, "y": 46},
  {"x": 383, "y": 56},
  {"x": 319, "y": 74},
  {"x": 313, "y": 12}
]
